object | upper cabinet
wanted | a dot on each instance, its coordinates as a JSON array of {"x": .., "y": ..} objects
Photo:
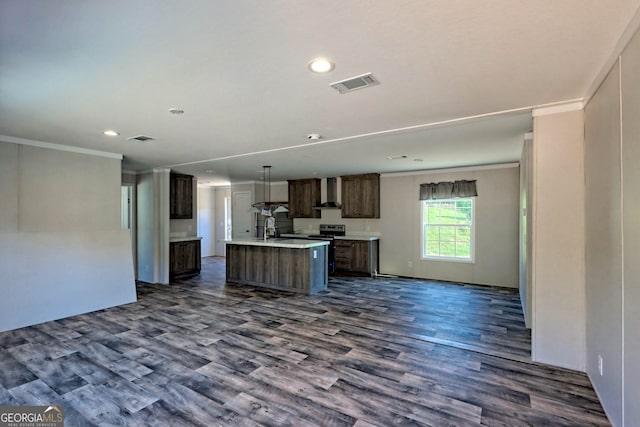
[
  {"x": 361, "y": 196},
  {"x": 181, "y": 196},
  {"x": 304, "y": 194}
]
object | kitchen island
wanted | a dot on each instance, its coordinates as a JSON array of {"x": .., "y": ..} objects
[{"x": 285, "y": 264}]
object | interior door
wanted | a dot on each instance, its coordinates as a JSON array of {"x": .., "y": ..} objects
[{"x": 241, "y": 217}]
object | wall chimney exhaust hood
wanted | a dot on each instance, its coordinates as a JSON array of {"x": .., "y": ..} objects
[{"x": 332, "y": 195}]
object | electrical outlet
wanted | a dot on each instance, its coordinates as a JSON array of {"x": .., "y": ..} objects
[
  {"x": 600, "y": 369},
  {"x": 410, "y": 264},
  {"x": 315, "y": 254}
]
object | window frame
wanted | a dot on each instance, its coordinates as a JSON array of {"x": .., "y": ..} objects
[{"x": 424, "y": 224}]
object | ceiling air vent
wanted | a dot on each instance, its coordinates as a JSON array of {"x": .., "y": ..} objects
[
  {"x": 141, "y": 138},
  {"x": 355, "y": 83}
]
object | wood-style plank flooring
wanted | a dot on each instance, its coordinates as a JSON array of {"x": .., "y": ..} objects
[{"x": 366, "y": 352}]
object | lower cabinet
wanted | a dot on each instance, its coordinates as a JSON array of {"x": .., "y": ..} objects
[
  {"x": 184, "y": 258},
  {"x": 357, "y": 256},
  {"x": 301, "y": 270}
]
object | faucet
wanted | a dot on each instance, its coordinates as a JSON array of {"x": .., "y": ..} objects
[{"x": 269, "y": 226}]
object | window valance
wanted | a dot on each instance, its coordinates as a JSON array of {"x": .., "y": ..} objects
[{"x": 448, "y": 190}]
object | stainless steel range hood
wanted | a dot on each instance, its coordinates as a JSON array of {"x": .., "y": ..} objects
[{"x": 332, "y": 195}]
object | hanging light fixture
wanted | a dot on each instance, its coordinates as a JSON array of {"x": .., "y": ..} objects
[
  {"x": 266, "y": 185},
  {"x": 265, "y": 207}
]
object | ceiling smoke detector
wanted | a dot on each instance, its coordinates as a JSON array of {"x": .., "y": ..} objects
[
  {"x": 141, "y": 138},
  {"x": 313, "y": 136},
  {"x": 355, "y": 83},
  {"x": 176, "y": 111}
]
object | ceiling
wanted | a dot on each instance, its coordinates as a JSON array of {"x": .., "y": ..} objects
[{"x": 458, "y": 79}]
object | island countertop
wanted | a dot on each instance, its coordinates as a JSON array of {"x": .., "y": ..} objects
[
  {"x": 279, "y": 243},
  {"x": 176, "y": 239},
  {"x": 286, "y": 264}
]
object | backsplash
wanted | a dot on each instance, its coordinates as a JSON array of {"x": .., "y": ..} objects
[{"x": 367, "y": 227}]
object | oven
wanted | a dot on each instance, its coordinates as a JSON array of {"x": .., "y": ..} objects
[{"x": 328, "y": 232}]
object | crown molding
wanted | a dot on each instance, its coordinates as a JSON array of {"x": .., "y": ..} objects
[{"x": 59, "y": 147}]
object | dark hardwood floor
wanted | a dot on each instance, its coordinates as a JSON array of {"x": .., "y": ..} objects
[{"x": 366, "y": 352}]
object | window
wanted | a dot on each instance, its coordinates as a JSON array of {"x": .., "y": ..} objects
[{"x": 447, "y": 229}]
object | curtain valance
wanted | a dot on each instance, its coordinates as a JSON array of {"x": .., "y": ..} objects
[{"x": 448, "y": 190}]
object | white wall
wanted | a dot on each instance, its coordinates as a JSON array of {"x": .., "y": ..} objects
[
  {"x": 62, "y": 251},
  {"x": 526, "y": 203},
  {"x": 206, "y": 220},
  {"x": 9, "y": 187},
  {"x": 146, "y": 232},
  {"x": 603, "y": 225},
  {"x": 129, "y": 180},
  {"x": 612, "y": 154},
  {"x": 279, "y": 191},
  {"x": 558, "y": 327},
  {"x": 153, "y": 226},
  {"x": 496, "y": 247},
  {"x": 220, "y": 226},
  {"x": 630, "y": 90}
]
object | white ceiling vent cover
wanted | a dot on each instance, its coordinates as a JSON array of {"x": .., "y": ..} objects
[
  {"x": 141, "y": 138},
  {"x": 355, "y": 83}
]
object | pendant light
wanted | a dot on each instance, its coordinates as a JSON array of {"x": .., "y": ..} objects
[{"x": 267, "y": 204}]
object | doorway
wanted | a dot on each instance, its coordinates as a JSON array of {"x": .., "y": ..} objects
[
  {"x": 227, "y": 219},
  {"x": 241, "y": 217}
]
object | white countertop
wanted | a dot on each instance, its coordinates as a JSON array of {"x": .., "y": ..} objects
[
  {"x": 355, "y": 237},
  {"x": 347, "y": 237},
  {"x": 183, "y": 238},
  {"x": 279, "y": 243}
]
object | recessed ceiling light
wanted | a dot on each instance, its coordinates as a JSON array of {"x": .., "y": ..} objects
[
  {"x": 320, "y": 65},
  {"x": 314, "y": 136},
  {"x": 111, "y": 133},
  {"x": 396, "y": 157},
  {"x": 418, "y": 160},
  {"x": 209, "y": 171}
]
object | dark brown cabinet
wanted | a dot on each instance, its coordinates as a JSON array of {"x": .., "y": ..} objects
[
  {"x": 292, "y": 269},
  {"x": 304, "y": 194},
  {"x": 357, "y": 256},
  {"x": 361, "y": 196},
  {"x": 180, "y": 196},
  {"x": 184, "y": 258}
]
